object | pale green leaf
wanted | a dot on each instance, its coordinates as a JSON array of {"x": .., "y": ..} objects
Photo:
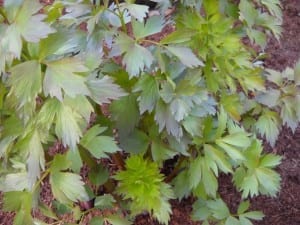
[
  {"x": 219, "y": 157},
  {"x": 297, "y": 73},
  {"x": 245, "y": 221},
  {"x": 238, "y": 139},
  {"x": 222, "y": 122},
  {"x": 269, "y": 98},
  {"x": 274, "y": 76},
  {"x": 137, "y": 11},
  {"x": 36, "y": 158},
  {"x": 62, "y": 75},
  {"x": 269, "y": 180},
  {"x": 104, "y": 90},
  {"x": 14, "y": 182},
  {"x": 249, "y": 186},
  {"x": 254, "y": 215},
  {"x": 268, "y": 126},
  {"x": 232, "y": 221},
  {"x": 288, "y": 112},
  {"x": 97, "y": 145},
  {"x": 80, "y": 104},
  {"x": 270, "y": 160},
  {"x": 26, "y": 81},
  {"x": 200, "y": 210},
  {"x": 180, "y": 185},
  {"x": 274, "y": 7},
  {"x": 149, "y": 88},
  {"x": 259, "y": 38},
  {"x": 67, "y": 187},
  {"x": 105, "y": 201},
  {"x": 218, "y": 208},
  {"x": 116, "y": 220},
  {"x": 185, "y": 55},
  {"x": 153, "y": 25},
  {"x": 165, "y": 119},
  {"x": 193, "y": 125},
  {"x": 243, "y": 207},
  {"x": 67, "y": 126},
  {"x": 248, "y": 12}
]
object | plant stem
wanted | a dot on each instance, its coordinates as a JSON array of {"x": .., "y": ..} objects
[
  {"x": 175, "y": 171},
  {"x": 2, "y": 13},
  {"x": 121, "y": 16}
]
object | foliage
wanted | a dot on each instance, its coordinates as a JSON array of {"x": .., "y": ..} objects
[{"x": 89, "y": 76}]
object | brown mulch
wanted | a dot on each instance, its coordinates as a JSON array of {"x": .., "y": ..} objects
[{"x": 283, "y": 210}]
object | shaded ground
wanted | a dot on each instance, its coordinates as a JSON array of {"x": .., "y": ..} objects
[{"x": 283, "y": 210}]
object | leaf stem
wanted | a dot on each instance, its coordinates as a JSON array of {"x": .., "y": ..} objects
[
  {"x": 46, "y": 173},
  {"x": 121, "y": 16},
  {"x": 2, "y": 13}
]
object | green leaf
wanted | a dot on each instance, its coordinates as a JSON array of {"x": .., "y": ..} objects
[
  {"x": 96, "y": 221},
  {"x": 97, "y": 145},
  {"x": 15, "y": 182},
  {"x": 67, "y": 187},
  {"x": 185, "y": 55},
  {"x": 26, "y": 81},
  {"x": 136, "y": 57},
  {"x": 232, "y": 221},
  {"x": 297, "y": 73},
  {"x": 142, "y": 183},
  {"x": 218, "y": 208},
  {"x": 116, "y": 220},
  {"x": 153, "y": 25},
  {"x": 105, "y": 201},
  {"x": 165, "y": 119},
  {"x": 248, "y": 12},
  {"x": 36, "y": 158},
  {"x": 222, "y": 122},
  {"x": 232, "y": 105},
  {"x": 61, "y": 75},
  {"x": 268, "y": 126},
  {"x": 125, "y": 112},
  {"x": 178, "y": 36},
  {"x": 218, "y": 157},
  {"x": 149, "y": 88},
  {"x": 27, "y": 18},
  {"x": 98, "y": 175},
  {"x": 195, "y": 172},
  {"x": 137, "y": 11},
  {"x": 67, "y": 126},
  {"x": 270, "y": 160},
  {"x": 269, "y": 98},
  {"x": 243, "y": 207},
  {"x": 104, "y": 90},
  {"x": 180, "y": 183},
  {"x": 136, "y": 142},
  {"x": 160, "y": 151},
  {"x": 288, "y": 112},
  {"x": 254, "y": 215},
  {"x": 269, "y": 181}
]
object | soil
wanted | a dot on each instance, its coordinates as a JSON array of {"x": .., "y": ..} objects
[{"x": 285, "y": 208}]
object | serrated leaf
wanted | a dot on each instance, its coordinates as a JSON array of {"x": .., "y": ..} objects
[
  {"x": 137, "y": 11},
  {"x": 243, "y": 207},
  {"x": 36, "y": 158},
  {"x": 220, "y": 159},
  {"x": 61, "y": 76},
  {"x": 269, "y": 98},
  {"x": 288, "y": 112},
  {"x": 105, "y": 201},
  {"x": 98, "y": 175},
  {"x": 67, "y": 126},
  {"x": 160, "y": 151},
  {"x": 98, "y": 145},
  {"x": 67, "y": 187},
  {"x": 153, "y": 25},
  {"x": 15, "y": 182},
  {"x": 125, "y": 112},
  {"x": 269, "y": 180},
  {"x": 268, "y": 126},
  {"x": 178, "y": 36},
  {"x": 232, "y": 105},
  {"x": 248, "y": 12},
  {"x": 218, "y": 208},
  {"x": 195, "y": 172},
  {"x": 249, "y": 186},
  {"x": 181, "y": 189},
  {"x": 149, "y": 88},
  {"x": 136, "y": 142},
  {"x": 232, "y": 221},
  {"x": 26, "y": 81},
  {"x": 238, "y": 139},
  {"x": 193, "y": 125},
  {"x": 245, "y": 221},
  {"x": 165, "y": 119},
  {"x": 270, "y": 160},
  {"x": 185, "y": 55},
  {"x": 116, "y": 220},
  {"x": 104, "y": 90},
  {"x": 26, "y": 19},
  {"x": 254, "y": 215},
  {"x": 222, "y": 122}
]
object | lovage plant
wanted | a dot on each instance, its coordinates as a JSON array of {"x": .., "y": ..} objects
[{"x": 101, "y": 85}]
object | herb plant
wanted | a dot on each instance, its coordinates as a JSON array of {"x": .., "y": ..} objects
[{"x": 90, "y": 77}]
